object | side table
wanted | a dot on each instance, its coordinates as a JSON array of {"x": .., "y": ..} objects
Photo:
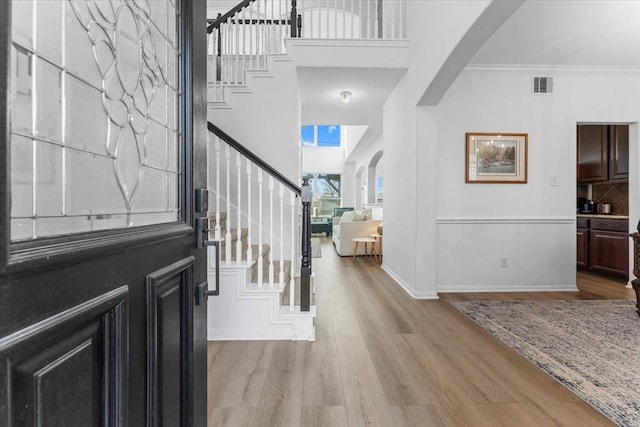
[
  {"x": 357, "y": 240},
  {"x": 378, "y": 238}
]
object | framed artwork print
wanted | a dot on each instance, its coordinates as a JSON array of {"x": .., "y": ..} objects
[{"x": 496, "y": 158}]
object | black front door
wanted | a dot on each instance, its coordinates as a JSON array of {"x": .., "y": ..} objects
[{"x": 103, "y": 128}]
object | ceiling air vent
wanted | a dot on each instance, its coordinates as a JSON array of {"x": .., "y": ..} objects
[{"x": 542, "y": 84}]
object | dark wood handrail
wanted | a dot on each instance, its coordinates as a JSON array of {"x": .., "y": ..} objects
[
  {"x": 255, "y": 159},
  {"x": 220, "y": 19}
]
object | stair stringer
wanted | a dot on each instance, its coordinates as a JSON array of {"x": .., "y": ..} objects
[
  {"x": 221, "y": 96},
  {"x": 242, "y": 311}
]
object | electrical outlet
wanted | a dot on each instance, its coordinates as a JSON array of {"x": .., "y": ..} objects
[{"x": 504, "y": 262}]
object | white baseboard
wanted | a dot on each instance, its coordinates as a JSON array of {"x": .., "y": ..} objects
[
  {"x": 503, "y": 288},
  {"x": 254, "y": 335},
  {"x": 410, "y": 291}
]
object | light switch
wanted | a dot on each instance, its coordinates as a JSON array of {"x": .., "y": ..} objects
[{"x": 553, "y": 181}]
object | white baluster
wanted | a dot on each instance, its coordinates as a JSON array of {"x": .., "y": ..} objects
[
  {"x": 280, "y": 26},
  {"x": 312, "y": 18},
  {"x": 344, "y": 19},
  {"x": 217, "y": 226},
  {"x": 249, "y": 215},
  {"x": 236, "y": 32},
  {"x": 251, "y": 27},
  {"x": 239, "y": 208},
  {"x": 281, "y": 198},
  {"x": 393, "y": 21},
  {"x": 227, "y": 237},
  {"x": 353, "y": 17},
  {"x": 223, "y": 54},
  {"x": 258, "y": 33},
  {"x": 401, "y": 23},
  {"x": 272, "y": 30},
  {"x": 244, "y": 44},
  {"x": 271, "y": 272},
  {"x": 335, "y": 19},
  {"x": 361, "y": 29},
  {"x": 327, "y": 20},
  {"x": 368, "y": 3},
  {"x": 264, "y": 36},
  {"x": 292, "y": 283},
  {"x": 260, "y": 260}
]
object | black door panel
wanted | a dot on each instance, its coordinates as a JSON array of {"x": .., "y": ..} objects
[
  {"x": 70, "y": 369},
  {"x": 100, "y": 328}
]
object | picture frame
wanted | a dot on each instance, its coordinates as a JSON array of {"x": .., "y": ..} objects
[{"x": 496, "y": 158}]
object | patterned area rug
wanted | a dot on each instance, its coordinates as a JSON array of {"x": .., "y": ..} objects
[{"x": 590, "y": 347}]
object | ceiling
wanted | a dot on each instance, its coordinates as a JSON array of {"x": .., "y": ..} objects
[
  {"x": 320, "y": 93},
  {"x": 588, "y": 33}
]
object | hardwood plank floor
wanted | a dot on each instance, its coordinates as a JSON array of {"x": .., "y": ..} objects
[{"x": 383, "y": 359}]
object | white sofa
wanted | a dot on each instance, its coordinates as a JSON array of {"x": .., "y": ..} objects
[{"x": 345, "y": 229}]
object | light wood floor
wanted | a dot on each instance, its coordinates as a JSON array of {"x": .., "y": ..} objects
[{"x": 384, "y": 359}]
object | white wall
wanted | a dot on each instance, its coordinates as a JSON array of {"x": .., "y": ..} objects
[
  {"x": 351, "y": 136},
  {"x": 323, "y": 160},
  {"x": 273, "y": 137},
  {"x": 348, "y": 185},
  {"x": 532, "y": 224},
  {"x": 410, "y": 145}
]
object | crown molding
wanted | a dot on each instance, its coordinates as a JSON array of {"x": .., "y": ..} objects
[{"x": 573, "y": 69}]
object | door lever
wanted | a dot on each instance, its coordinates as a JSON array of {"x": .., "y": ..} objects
[{"x": 202, "y": 290}]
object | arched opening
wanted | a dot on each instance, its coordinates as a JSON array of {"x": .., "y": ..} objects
[{"x": 375, "y": 180}]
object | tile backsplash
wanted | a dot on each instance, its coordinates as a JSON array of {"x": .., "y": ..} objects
[{"x": 615, "y": 194}]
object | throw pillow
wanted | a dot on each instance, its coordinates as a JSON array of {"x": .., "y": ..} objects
[
  {"x": 368, "y": 214},
  {"x": 359, "y": 215},
  {"x": 347, "y": 216}
]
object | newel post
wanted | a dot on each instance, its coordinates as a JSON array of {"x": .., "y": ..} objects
[
  {"x": 294, "y": 18},
  {"x": 305, "y": 269},
  {"x": 219, "y": 53}
]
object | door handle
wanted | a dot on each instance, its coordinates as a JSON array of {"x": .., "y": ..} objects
[{"x": 202, "y": 289}]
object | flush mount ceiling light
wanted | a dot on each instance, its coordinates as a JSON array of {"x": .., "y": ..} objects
[{"x": 345, "y": 96}]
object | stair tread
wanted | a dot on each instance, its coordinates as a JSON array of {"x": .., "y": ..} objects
[{"x": 254, "y": 252}]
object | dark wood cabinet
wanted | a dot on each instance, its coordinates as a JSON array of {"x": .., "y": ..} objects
[
  {"x": 603, "y": 153},
  {"x": 593, "y": 165},
  {"x": 609, "y": 251},
  {"x": 619, "y": 152},
  {"x": 582, "y": 248},
  {"x": 603, "y": 245}
]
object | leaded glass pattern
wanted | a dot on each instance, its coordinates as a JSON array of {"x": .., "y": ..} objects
[{"x": 94, "y": 115}]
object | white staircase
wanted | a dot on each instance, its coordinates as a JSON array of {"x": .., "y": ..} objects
[
  {"x": 245, "y": 311},
  {"x": 253, "y": 94}
]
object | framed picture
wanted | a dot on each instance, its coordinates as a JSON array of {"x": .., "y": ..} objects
[{"x": 496, "y": 158}]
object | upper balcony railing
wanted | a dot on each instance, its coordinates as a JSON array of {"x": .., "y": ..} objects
[{"x": 243, "y": 38}]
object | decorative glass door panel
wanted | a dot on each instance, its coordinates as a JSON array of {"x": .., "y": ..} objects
[{"x": 94, "y": 116}]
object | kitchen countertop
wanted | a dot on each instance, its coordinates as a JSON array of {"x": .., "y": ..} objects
[{"x": 603, "y": 216}]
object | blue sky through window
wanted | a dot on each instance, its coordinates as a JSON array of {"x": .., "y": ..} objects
[
  {"x": 320, "y": 135},
  {"x": 307, "y": 135},
  {"x": 329, "y": 136}
]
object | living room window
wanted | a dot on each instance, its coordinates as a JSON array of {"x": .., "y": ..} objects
[
  {"x": 320, "y": 136},
  {"x": 325, "y": 193}
]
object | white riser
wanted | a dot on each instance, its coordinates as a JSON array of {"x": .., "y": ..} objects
[{"x": 243, "y": 312}]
